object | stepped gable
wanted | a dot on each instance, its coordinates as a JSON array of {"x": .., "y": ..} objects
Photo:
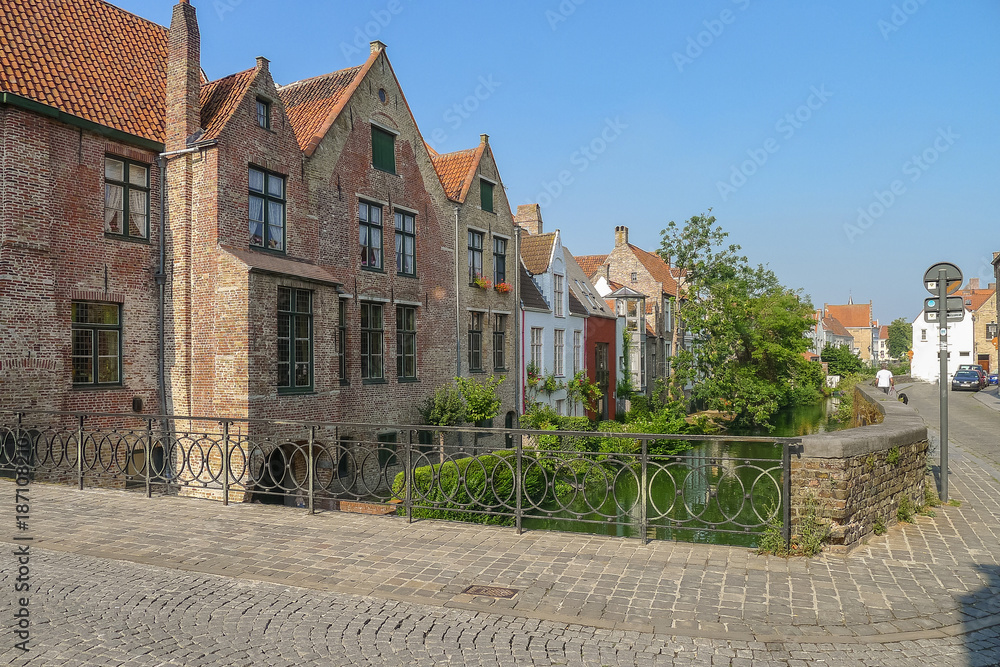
[{"x": 221, "y": 98}]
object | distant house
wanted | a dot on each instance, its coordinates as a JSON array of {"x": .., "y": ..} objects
[
  {"x": 968, "y": 340},
  {"x": 858, "y": 320},
  {"x": 828, "y": 331},
  {"x": 981, "y": 305}
]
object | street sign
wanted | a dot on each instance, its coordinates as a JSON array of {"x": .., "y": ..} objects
[
  {"x": 955, "y": 307},
  {"x": 953, "y": 277}
]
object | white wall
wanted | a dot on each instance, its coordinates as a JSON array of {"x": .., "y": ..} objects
[{"x": 925, "y": 364}]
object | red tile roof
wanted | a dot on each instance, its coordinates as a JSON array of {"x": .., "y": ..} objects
[
  {"x": 852, "y": 315},
  {"x": 833, "y": 325},
  {"x": 536, "y": 252},
  {"x": 456, "y": 170},
  {"x": 590, "y": 263},
  {"x": 657, "y": 268},
  {"x": 221, "y": 98},
  {"x": 810, "y": 356},
  {"x": 313, "y": 104},
  {"x": 88, "y": 59},
  {"x": 974, "y": 299}
]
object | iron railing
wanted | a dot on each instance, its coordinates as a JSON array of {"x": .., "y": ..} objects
[{"x": 650, "y": 486}]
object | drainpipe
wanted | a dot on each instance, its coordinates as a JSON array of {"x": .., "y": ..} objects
[
  {"x": 458, "y": 304},
  {"x": 518, "y": 327},
  {"x": 161, "y": 274}
]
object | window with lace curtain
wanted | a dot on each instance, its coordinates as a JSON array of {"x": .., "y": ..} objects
[
  {"x": 126, "y": 198},
  {"x": 267, "y": 210}
]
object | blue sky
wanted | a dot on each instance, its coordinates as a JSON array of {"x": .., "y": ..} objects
[{"x": 848, "y": 145}]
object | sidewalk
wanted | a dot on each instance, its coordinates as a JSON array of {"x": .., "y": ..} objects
[
  {"x": 937, "y": 578},
  {"x": 989, "y": 397}
]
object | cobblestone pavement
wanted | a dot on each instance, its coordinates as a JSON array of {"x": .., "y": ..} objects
[{"x": 129, "y": 580}]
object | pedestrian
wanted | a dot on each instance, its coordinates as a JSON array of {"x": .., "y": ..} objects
[{"x": 883, "y": 379}]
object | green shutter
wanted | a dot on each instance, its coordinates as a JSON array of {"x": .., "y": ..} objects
[
  {"x": 383, "y": 153},
  {"x": 486, "y": 196}
]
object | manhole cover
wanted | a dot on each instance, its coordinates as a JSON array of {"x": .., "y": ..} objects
[{"x": 491, "y": 591}]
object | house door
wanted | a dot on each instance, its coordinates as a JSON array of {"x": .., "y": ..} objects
[
  {"x": 984, "y": 361},
  {"x": 602, "y": 377}
]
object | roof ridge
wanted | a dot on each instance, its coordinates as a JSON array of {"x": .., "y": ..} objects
[
  {"x": 228, "y": 76},
  {"x": 318, "y": 76}
]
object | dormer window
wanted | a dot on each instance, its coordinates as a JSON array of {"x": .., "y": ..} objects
[{"x": 264, "y": 113}]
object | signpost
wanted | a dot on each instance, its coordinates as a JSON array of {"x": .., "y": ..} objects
[{"x": 941, "y": 280}]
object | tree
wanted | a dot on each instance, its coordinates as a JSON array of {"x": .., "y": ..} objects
[
  {"x": 481, "y": 400},
  {"x": 747, "y": 329},
  {"x": 841, "y": 361},
  {"x": 900, "y": 338}
]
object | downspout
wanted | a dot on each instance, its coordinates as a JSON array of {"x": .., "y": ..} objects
[
  {"x": 518, "y": 326},
  {"x": 458, "y": 305}
]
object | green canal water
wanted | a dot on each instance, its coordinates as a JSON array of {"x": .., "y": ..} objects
[{"x": 730, "y": 483}]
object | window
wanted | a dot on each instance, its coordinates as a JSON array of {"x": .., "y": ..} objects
[
  {"x": 475, "y": 341},
  {"x": 370, "y": 235},
  {"x": 486, "y": 195},
  {"x": 668, "y": 315},
  {"x": 264, "y": 113},
  {"x": 475, "y": 255},
  {"x": 991, "y": 330},
  {"x": 406, "y": 243},
  {"x": 557, "y": 299},
  {"x": 499, "y": 342},
  {"x": 923, "y": 334},
  {"x": 406, "y": 342},
  {"x": 558, "y": 347},
  {"x": 536, "y": 348},
  {"x": 294, "y": 339},
  {"x": 126, "y": 181},
  {"x": 499, "y": 260},
  {"x": 577, "y": 346},
  {"x": 383, "y": 150},
  {"x": 267, "y": 210},
  {"x": 97, "y": 346},
  {"x": 342, "y": 340},
  {"x": 635, "y": 277},
  {"x": 372, "y": 353}
]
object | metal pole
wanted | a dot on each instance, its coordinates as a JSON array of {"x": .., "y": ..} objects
[
  {"x": 408, "y": 479},
  {"x": 518, "y": 487},
  {"x": 79, "y": 453},
  {"x": 309, "y": 470},
  {"x": 943, "y": 379},
  {"x": 225, "y": 463},
  {"x": 786, "y": 518},
  {"x": 643, "y": 519},
  {"x": 149, "y": 451}
]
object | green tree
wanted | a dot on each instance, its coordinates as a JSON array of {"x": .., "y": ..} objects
[
  {"x": 747, "y": 329},
  {"x": 900, "y": 337},
  {"x": 841, "y": 361},
  {"x": 481, "y": 400}
]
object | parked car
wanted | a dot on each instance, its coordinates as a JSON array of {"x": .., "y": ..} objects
[
  {"x": 992, "y": 379},
  {"x": 969, "y": 380},
  {"x": 978, "y": 369}
]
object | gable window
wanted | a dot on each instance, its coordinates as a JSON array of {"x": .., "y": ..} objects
[
  {"x": 557, "y": 299},
  {"x": 267, "y": 210},
  {"x": 499, "y": 260},
  {"x": 475, "y": 255},
  {"x": 558, "y": 347},
  {"x": 406, "y": 342},
  {"x": 372, "y": 346},
  {"x": 536, "y": 348},
  {"x": 923, "y": 334},
  {"x": 370, "y": 235},
  {"x": 342, "y": 340},
  {"x": 294, "y": 339},
  {"x": 486, "y": 195},
  {"x": 97, "y": 346},
  {"x": 264, "y": 113},
  {"x": 475, "y": 341},
  {"x": 126, "y": 198},
  {"x": 499, "y": 342},
  {"x": 635, "y": 277},
  {"x": 383, "y": 150},
  {"x": 406, "y": 243},
  {"x": 577, "y": 346}
]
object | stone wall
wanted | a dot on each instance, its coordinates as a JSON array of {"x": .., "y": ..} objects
[{"x": 854, "y": 477}]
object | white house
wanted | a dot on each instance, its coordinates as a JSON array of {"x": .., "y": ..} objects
[{"x": 926, "y": 341}]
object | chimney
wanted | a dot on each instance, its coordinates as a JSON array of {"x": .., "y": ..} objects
[
  {"x": 183, "y": 77},
  {"x": 621, "y": 235},
  {"x": 973, "y": 283},
  {"x": 992, "y": 286},
  {"x": 529, "y": 218},
  {"x": 262, "y": 63},
  {"x": 484, "y": 138},
  {"x": 376, "y": 46}
]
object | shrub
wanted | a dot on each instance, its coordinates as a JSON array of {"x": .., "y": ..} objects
[
  {"x": 879, "y": 527},
  {"x": 481, "y": 400},
  {"x": 905, "y": 511}
]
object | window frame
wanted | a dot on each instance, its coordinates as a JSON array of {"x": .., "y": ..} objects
[
  {"x": 367, "y": 223},
  {"x": 475, "y": 252},
  {"x": 380, "y": 152},
  {"x": 486, "y": 185},
  {"x": 559, "y": 352},
  {"x": 402, "y": 335},
  {"x": 127, "y": 187},
  {"x": 499, "y": 260},
  {"x": 264, "y": 120},
  {"x": 499, "y": 342},
  {"x": 265, "y": 195},
  {"x": 400, "y": 236},
  {"x": 476, "y": 341},
  {"x": 369, "y": 335},
  {"x": 558, "y": 295},
  {"x": 293, "y": 316},
  {"x": 342, "y": 341},
  {"x": 95, "y": 357},
  {"x": 538, "y": 348},
  {"x": 577, "y": 349}
]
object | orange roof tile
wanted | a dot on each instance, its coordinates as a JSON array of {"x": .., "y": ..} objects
[
  {"x": 313, "y": 104},
  {"x": 852, "y": 315},
  {"x": 810, "y": 356},
  {"x": 456, "y": 171},
  {"x": 536, "y": 252},
  {"x": 590, "y": 263},
  {"x": 657, "y": 268},
  {"x": 974, "y": 299},
  {"x": 220, "y": 99},
  {"x": 833, "y": 325},
  {"x": 88, "y": 59}
]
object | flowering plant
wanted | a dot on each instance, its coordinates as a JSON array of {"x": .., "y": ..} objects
[
  {"x": 503, "y": 287},
  {"x": 482, "y": 283}
]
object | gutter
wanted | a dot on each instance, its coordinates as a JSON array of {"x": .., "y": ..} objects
[{"x": 458, "y": 305}]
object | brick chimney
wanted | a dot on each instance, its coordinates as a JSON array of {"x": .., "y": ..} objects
[
  {"x": 529, "y": 218},
  {"x": 621, "y": 235},
  {"x": 376, "y": 46},
  {"x": 973, "y": 283},
  {"x": 183, "y": 77}
]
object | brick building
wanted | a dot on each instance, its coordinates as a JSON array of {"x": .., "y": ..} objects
[{"x": 857, "y": 319}]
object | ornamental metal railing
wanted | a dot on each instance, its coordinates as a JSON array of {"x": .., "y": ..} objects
[{"x": 649, "y": 486}]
